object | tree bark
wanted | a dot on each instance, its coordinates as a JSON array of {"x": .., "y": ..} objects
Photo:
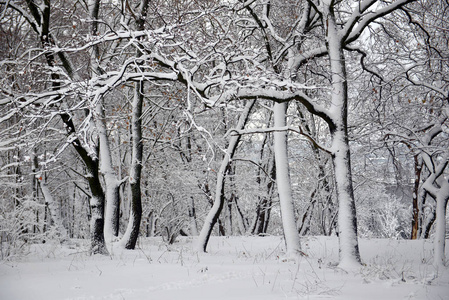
[
  {"x": 440, "y": 230},
  {"x": 415, "y": 212},
  {"x": 347, "y": 219},
  {"x": 192, "y": 217},
  {"x": 437, "y": 185},
  {"x": 260, "y": 221},
  {"x": 132, "y": 232},
  {"x": 341, "y": 157},
  {"x": 428, "y": 220},
  {"x": 112, "y": 185},
  {"x": 283, "y": 182}
]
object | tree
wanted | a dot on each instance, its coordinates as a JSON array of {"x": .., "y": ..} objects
[
  {"x": 319, "y": 18},
  {"x": 55, "y": 210},
  {"x": 132, "y": 232},
  {"x": 38, "y": 18},
  {"x": 283, "y": 180},
  {"x": 168, "y": 70},
  {"x": 413, "y": 79},
  {"x": 218, "y": 203}
]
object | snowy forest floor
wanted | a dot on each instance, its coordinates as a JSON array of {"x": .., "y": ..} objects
[{"x": 234, "y": 268}]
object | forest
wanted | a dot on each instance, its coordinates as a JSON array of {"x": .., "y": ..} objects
[{"x": 122, "y": 120}]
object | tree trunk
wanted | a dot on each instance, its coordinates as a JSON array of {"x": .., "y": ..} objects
[
  {"x": 415, "y": 213},
  {"x": 347, "y": 220},
  {"x": 228, "y": 217},
  {"x": 341, "y": 158},
  {"x": 231, "y": 201},
  {"x": 129, "y": 239},
  {"x": 151, "y": 222},
  {"x": 132, "y": 232},
  {"x": 91, "y": 163},
  {"x": 262, "y": 214},
  {"x": 428, "y": 221},
  {"x": 266, "y": 208},
  {"x": 306, "y": 218},
  {"x": 283, "y": 182},
  {"x": 112, "y": 185},
  {"x": 438, "y": 187},
  {"x": 55, "y": 210},
  {"x": 214, "y": 213},
  {"x": 440, "y": 230},
  {"x": 96, "y": 226},
  {"x": 192, "y": 217},
  {"x": 241, "y": 220}
]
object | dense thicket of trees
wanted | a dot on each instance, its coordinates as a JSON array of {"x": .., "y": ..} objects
[{"x": 140, "y": 118}]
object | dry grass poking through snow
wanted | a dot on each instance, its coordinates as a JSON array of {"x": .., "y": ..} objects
[{"x": 234, "y": 268}]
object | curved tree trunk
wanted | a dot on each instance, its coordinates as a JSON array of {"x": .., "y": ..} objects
[
  {"x": 428, "y": 219},
  {"x": 97, "y": 198},
  {"x": 437, "y": 185},
  {"x": 55, "y": 210},
  {"x": 214, "y": 213}
]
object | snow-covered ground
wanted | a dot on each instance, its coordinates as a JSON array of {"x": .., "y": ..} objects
[{"x": 234, "y": 268}]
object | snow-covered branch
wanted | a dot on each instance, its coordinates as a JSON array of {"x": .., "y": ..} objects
[
  {"x": 352, "y": 33},
  {"x": 276, "y": 96},
  {"x": 299, "y": 130}
]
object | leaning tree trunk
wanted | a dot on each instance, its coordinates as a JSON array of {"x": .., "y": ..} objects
[
  {"x": 55, "y": 211},
  {"x": 347, "y": 219},
  {"x": 266, "y": 208},
  {"x": 263, "y": 210},
  {"x": 97, "y": 198},
  {"x": 97, "y": 195},
  {"x": 283, "y": 181},
  {"x": 214, "y": 213},
  {"x": 54, "y": 208}
]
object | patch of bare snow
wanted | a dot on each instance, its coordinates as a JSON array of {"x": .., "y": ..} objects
[{"x": 234, "y": 268}]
